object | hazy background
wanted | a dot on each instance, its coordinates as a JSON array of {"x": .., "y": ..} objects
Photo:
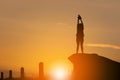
[{"x": 44, "y": 30}]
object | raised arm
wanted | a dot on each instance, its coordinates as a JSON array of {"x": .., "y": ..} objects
[
  {"x": 78, "y": 21},
  {"x": 81, "y": 21}
]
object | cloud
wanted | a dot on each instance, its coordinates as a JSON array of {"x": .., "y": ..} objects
[{"x": 104, "y": 46}]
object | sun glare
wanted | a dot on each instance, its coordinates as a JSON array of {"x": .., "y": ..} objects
[{"x": 59, "y": 71}]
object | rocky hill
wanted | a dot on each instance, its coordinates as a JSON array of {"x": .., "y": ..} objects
[{"x": 94, "y": 67}]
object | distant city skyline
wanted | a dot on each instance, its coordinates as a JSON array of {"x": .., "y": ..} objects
[{"x": 44, "y": 31}]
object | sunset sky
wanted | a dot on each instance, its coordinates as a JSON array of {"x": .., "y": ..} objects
[{"x": 32, "y": 31}]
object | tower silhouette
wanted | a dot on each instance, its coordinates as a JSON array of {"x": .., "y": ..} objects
[
  {"x": 10, "y": 74},
  {"x": 41, "y": 71},
  {"x": 2, "y": 76},
  {"x": 22, "y": 74}
]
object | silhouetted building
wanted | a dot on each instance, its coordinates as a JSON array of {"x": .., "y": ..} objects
[
  {"x": 2, "y": 76},
  {"x": 10, "y": 74},
  {"x": 22, "y": 74},
  {"x": 94, "y": 67},
  {"x": 41, "y": 71}
]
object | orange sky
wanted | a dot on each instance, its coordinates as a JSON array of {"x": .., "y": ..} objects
[{"x": 44, "y": 30}]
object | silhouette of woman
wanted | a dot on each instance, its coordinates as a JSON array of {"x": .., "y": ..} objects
[{"x": 80, "y": 34}]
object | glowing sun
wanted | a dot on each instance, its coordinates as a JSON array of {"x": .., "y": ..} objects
[{"x": 60, "y": 71}]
